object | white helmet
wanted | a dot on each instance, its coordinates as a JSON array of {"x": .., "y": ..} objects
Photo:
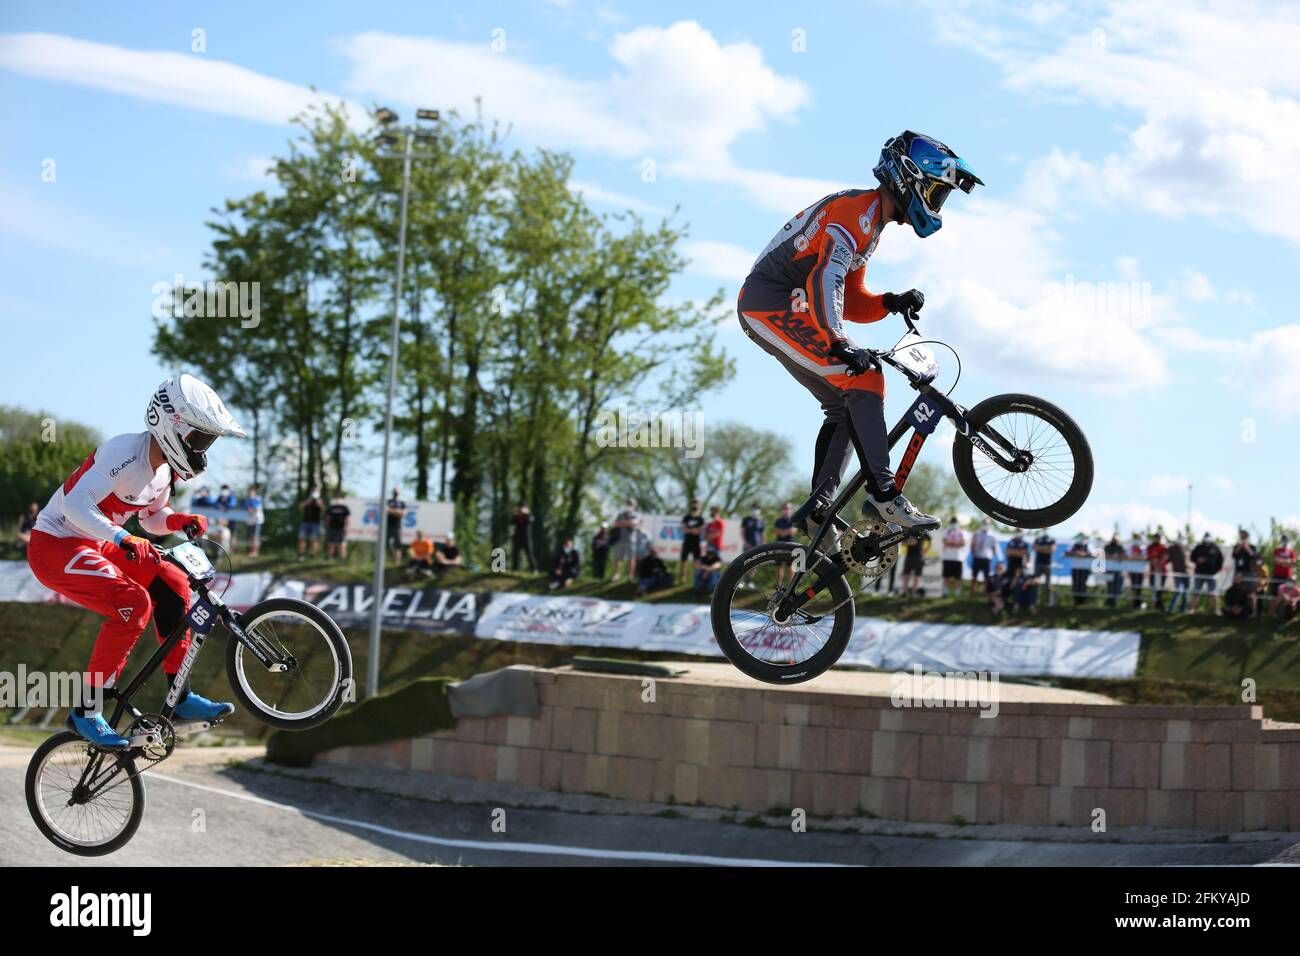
[{"x": 185, "y": 417}]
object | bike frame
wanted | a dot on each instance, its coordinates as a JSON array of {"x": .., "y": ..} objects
[
  {"x": 202, "y": 615},
  {"x": 922, "y": 418}
]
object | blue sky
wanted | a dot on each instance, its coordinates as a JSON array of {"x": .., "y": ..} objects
[{"x": 1143, "y": 146}]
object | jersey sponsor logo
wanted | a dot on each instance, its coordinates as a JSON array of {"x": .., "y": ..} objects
[
  {"x": 90, "y": 563},
  {"x": 114, "y": 472},
  {"x": 799, "y": 332},
  {"x": 125, "y": 613}
]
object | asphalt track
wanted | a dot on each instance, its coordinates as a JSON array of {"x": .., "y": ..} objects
[{"x": 204, "y": 813}]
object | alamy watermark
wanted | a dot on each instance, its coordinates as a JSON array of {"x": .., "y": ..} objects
[
  {"x": 626, "y": 428},
  {"x": 212, "y": 300},
  {"x": 36, "y": 688},
  {"x": 1130, "y": 301},
  {"x": 919, "y": 688}
]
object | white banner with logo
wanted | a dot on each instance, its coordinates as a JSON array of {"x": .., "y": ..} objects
[
  {"x": 672, "y": 628},
  {"x": 665, "y": 533},
  {"x": 436, "y": 519},
  {"x": 1009, "y": 650}
]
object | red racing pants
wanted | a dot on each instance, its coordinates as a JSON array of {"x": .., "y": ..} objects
[{"x": 98, "y": 576}]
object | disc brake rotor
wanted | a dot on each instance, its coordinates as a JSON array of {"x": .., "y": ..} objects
[{"x": 859, "y": 552}]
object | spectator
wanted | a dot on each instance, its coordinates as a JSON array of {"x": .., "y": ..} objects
[
  {"x": 713, "y": 531},
  {"x": 692, "y": 526},
  {"x": 1115, "y": 555},
  {"x": 522, "y": 538},
  {"x": 783, "y": 527},
  {"x": 26, "y": 522},
  {"x": 1044, "y": 549},
  {"x": 996, "y": 588},
  {"x": 914, "y": 549},
  {"x": 982, "y": 551},
  {"x": 226, "y": 501},
  {"x": 1177, "y": 556},
  {"x": 1078, "y": 553},
  {"x": 1157, "y": 561},
  {"x": 395, "y": 508},
  {"x": 447, "y": 556},
  {"x": 219, "y": 531},
  {"x": 752, "y": 527},
  {"x": 1246, "y": 565},
  {"x": 1207, "y": 561},
  {"x": 1017, "y": 553},
  {"x": 626, "y": 526},
  {"x": 1238, "y": 599},
  {"x": 337, "y": 518},
  {"x": 708, "y": 571},
  {"x": 421, "y": 555},
  {"x": 1137, "y": 552},
  {"x": 1283, "y": 564},
  {"x": 600, "y": 551},
  {"x": 1024, "y": 590},
  {"x": 1286, "y": 599},
  {"x": 312, "y": 509},
  {"x": 651, "y": 573},
  {"x": 256, "y": 518},
  {"x": 954, "y": 547},
  {"x": 566, "y": 566},
  {"x": 204, "y": 498}
]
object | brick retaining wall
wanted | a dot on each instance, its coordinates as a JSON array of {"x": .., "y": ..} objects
[{"x": 765, "y": 748}]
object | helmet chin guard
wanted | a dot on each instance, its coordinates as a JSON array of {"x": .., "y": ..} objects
[{"x": 918, "y": 172}]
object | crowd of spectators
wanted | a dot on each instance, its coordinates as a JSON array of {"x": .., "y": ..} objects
[
  {"x": 237, "y": 517},
  {"x": 1015, "y": 575}
]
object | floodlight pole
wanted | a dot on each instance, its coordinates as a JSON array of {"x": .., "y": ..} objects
[{"x": 381, "y": 543}]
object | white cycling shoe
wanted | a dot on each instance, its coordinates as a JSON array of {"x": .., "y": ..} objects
[{"x": 901, "y": 512}]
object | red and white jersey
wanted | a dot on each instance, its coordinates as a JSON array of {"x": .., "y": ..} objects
[{"x": 115, "y": 482}]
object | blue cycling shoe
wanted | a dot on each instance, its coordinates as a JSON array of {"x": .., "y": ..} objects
[
  {"x": 197, "y": 707},
  {"x": 97, "y": 731}
]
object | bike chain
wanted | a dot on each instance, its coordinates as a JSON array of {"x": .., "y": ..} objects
[
  {"x": 152, "y": 754},
  {"x": 861, "y": 555}
]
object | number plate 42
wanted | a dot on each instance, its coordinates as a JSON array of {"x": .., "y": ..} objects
[{"x": 924, "y": 416}]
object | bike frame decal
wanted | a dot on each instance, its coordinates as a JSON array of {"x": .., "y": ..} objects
[
  {"x": 909, "y": 459},
  {"x": 191, "y": 655}
]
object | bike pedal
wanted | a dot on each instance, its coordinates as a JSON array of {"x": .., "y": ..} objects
[{"x": 185, "y": 728}]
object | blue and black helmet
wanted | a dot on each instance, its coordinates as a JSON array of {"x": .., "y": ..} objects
[{"x": 918, "y": 172}]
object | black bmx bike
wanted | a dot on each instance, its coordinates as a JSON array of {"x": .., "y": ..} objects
[
  {"x": 287, "y": 662},
  {"x": 783, "y": 612}
]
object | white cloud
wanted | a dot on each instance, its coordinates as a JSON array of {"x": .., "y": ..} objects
[
  {"x": 1215, "y": 86},
  {"x": 608, "y": 197},
  {"x": 676, "y": 96},
  {"x": 36, "y": 215},
  {"x": 997, "y": 286},
  {"x": 718, "y": 260},
  {"x": 193, "y": 81},
  {"x": 1263, "y": 366},
  {"x": 1130, "y": 516}
]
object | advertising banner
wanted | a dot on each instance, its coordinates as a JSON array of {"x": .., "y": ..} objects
[{"x": 436, "y": 519}]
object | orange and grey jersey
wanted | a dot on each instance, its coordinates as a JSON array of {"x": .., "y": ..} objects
[{"x": 810, "y": 263}]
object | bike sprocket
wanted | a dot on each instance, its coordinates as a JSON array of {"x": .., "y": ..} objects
[
  {"x": 153, "y": 753},
  {"x": 860, "y": 554}
]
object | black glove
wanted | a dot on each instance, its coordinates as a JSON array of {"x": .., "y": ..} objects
[
  {"x": 858, "y": 360},
  {"x": 911, "y": 300}
]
